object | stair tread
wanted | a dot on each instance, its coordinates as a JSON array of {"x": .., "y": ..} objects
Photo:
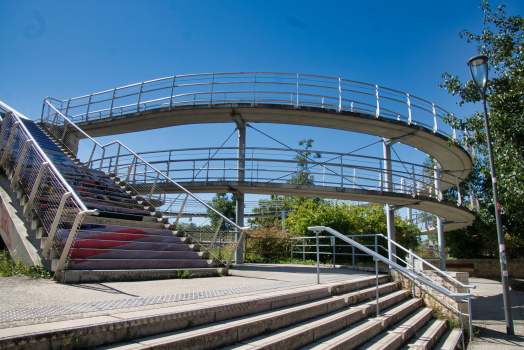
[
  {"x": 451, "y": 340},
  {"x": 428, "y": 336},
  {"x": 393, "y": 339}
]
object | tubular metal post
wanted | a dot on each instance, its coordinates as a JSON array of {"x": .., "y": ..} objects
[
  {"x": 181, "y": 210},
  {"x": 470, "y": 318},
  {"x": 435, "y": 129},
  {"x": 461, "y": 324},
  {"x": 339, "y": 95},
  {"x": 56, "y": 221},
  {"x": 139, "y": 95},
  {"x": 297, "y": 90},
  {"x": 102, "y": 159},
  {"x": 409, "y": 110},
  {"x": 171, "y": 96},
  {"x": 376, "y": 273},
  {"x": 20, "y": 163},
  {"x": 318, "y": 262},
  {"x": 334, "y": 252},
  {"x": 130, "y": 169},
  {"x": 88, "y": 105},
  {"x": 378, "y": 105},
  {"x": 413, "y": 268},
  {"x": 353, "y": 255},
  {"x": 211, "y": 95},
  {"x": 303, "y": 249},
  {"x": 29, "y": 205},
  {"x": 69, "y": 242},
  {"x": 153, "y": 187},
  {"x": 112, "y": 104},
  {"x": 8, "y": 145},
  {"x": 215, "y": 235},
  {"x": 116, "y": 160}
]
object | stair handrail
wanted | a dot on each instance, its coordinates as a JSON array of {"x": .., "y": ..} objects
[
  {"x": 242, "y": 229},
  {"x": 403, "y": 270},
  {"x": 51, "y": 164},
  {"x": 152, "y": 167},
  {"x": 442, "y": 273}
]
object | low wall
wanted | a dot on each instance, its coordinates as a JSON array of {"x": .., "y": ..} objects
[
  {"x": 437, "y": 305},
  {"x": 485, "y": 268}
]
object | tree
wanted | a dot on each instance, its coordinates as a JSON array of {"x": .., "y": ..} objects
[
  {"x": 350, "y": 219},
  {"x": 303, "y": 158},
  {"x": 502, "y": 41},
  {"x": 225, "y": 205}
]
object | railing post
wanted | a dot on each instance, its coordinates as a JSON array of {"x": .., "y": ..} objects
[
  {"x": 67, "y": 108},
  {"x": 409, "y": 110},
  {"x": 181, "y": 210},
  {"x": 435, "y": 129},
  {"x": 20, "y": 163},
  {"x": 139, "y": 96},
  {"x": 211, "y": 95},
  {"x": 153, "y": 187},
  {"x": 91, "y": 157},
  {"x": 102, "y": 159},
  {"x": 303, "y": 249},
  {"x": 215, "y": 235},
  {"x": 54, "y": 226},
  {"x": 297, "y": 90},
  {"x": 353, "y": 255},
  {"x": 413, "y": 268},
  {"x": 380, "y": 182},
  {"x": 459, "y": 196},
  {"x": 116, "y": 160},
  {"x": 130, "y": 169},
  {"x": 378, "y": 104},
  {"x": 2, "y": 133},
  {"x": 8, "y": 145},
  {"x": 208, "y": 161},
  {"x": 172, "y": 91},
  {"x": 341, "y": 173},
  {"x": 112, "y": 103},
  {"x": 69, "y": 243},
  {"x": 318, "y": 261},
  {"x": 334, "y": 252},
  {"x": 239, "y": 239},
  {"x": 376, "y": 274},
  {"x": 461, "y": 323},
  {"x": 339, "y": 96},
  {"x": 88, "y": 105},
  {"x": 254, "y": 93},
  {"x": 470, "y": 317},
  {"x": 29, "y": 204}
]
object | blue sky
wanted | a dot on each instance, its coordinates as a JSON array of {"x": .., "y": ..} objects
[{"x": 68, "y": 48}]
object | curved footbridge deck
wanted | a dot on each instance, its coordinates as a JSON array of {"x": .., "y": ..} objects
[{"x": 287, "y": 99}]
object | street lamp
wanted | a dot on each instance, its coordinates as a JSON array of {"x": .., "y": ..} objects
[{"x": 478, "y": 67}]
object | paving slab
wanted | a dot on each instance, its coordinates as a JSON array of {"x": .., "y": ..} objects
[
  {"x": 489, "y": 318},
  {"x": 27, "y": 302}
]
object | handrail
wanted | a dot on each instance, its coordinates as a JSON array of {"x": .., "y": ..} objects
[
  {"x": 337, "y": 91},
  {"x": 442, "y": 273},
  {"x": 438, "y": 288},
  {"x": 152, "y": 167}
]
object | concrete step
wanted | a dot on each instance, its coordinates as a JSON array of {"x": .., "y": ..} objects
[
  {"x": 135, "y": 236},
  {"x": 134, "y": 245},
  {"x": 365, "y": 330},
  {"x": 225, "y": 333},
  {"x": 428, "y": 336},
  {"x": 450, "y": 341},
  {"x": 121, "y": 222},
  {"x": 395, "y": 338},
  {"x": 100, "y": 276},
  {"x": 137, "y": 264},
  {"x": 138, "y": 255}
]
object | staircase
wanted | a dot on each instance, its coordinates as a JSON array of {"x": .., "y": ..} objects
[
  {"x": 127, "y": 240},
  {"x": 334, "y": 315}
]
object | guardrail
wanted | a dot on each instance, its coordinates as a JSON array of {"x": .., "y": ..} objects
[
  {"x": 258, "y": 88},
  {"x": 127, "y": 163},
  {"x": 49, "y": 195},
  {"x": 274, "y": 165},
  {"x": 418, "y": 277}
]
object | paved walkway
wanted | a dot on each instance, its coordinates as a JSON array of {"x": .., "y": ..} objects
[
  {"x": 24, "y": 301},
  {"x": 488, "y": 316}
]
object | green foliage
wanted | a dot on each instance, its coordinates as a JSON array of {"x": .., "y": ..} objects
[
  {"x": 268, "y": 238},
  {"x": 278, "y": 260},
  {"x": 502, "y": 41},
  {"x": 349, "y": 220},
  {"x": 303, "y": 158},
  {"x": 226, "y": 205},
  {"x": 8, "y": 267}
]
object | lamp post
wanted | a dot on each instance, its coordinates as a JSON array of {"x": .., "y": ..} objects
[{"x": 478, "y": 67}]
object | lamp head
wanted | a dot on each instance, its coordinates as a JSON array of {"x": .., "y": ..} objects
[{"x": 478, "y": 67}]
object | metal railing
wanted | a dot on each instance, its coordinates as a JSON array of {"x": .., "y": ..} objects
[
  {"x": 417, "y": 276},
  {"x": 48, "y": 194},
  {"x": 258, "y": 88},
  {"x": 124, "y": 167},
  {"x": 274, "y": 165}
]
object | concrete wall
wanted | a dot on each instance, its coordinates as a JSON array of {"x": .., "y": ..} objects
[
  {"x": 20, "y": 241},
  {"x": 486, "y": 268}
]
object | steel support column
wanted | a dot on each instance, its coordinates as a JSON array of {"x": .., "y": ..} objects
[
  {"x": 241, "y": 165},
  {"x": 390, "y": 212}
]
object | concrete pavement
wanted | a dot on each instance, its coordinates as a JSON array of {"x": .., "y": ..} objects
[{"x": 488, "y": 316}]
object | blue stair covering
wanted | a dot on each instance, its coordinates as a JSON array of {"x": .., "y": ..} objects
[{"x": 113, "y": 247}]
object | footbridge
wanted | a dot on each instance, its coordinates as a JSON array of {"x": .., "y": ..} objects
[{"x": 295, "y": 99}]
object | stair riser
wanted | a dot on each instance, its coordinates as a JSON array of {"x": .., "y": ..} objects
[
  {"x": 137, "y": 264},
  {"x": 130, "y": 245},
  {"x": 93, "y": 254}
]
